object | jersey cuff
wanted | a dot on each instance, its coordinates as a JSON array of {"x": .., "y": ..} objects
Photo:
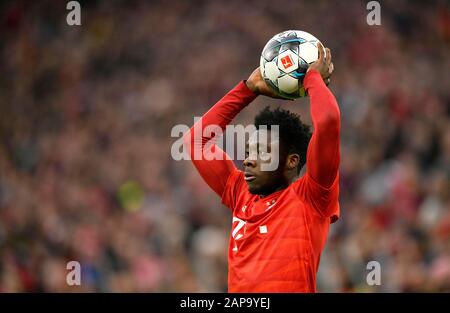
[
  {"x": 312, "y": 77},
  {"x": 244, "y": 91}
]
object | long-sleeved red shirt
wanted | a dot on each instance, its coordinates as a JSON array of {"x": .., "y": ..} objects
[{"x": 276, "y": 240}]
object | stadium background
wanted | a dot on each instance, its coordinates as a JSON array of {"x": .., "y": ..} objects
[{"x": 85, "y": 120}]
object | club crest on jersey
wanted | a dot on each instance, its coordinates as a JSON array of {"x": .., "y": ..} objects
[{"x": 270, "y": 204}]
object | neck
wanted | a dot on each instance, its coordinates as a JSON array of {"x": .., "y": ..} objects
[
  {"x": 289, "y": 180},
  {"x": 292, "y": 178}
]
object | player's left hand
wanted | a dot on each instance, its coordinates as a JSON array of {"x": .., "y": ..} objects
[
  {"x": 323, "y": 64},
  {"x": 257, "y": 85}
]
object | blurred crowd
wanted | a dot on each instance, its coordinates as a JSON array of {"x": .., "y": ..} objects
[{"x": 86, "y": 113}]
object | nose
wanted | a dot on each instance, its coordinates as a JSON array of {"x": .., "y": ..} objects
[{"x": 249, "y": 163}]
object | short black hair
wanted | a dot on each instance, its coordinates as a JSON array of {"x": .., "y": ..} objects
[{"x": 294, "y": 135}]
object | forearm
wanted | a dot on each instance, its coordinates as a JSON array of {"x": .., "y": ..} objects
[
  {"x": 213, "y": 163},
  {"x": 225, "y": 110},
  {"x": 323, "y": 151}
]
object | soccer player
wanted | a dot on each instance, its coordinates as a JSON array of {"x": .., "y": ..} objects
[{"x": 280, "y": 220}]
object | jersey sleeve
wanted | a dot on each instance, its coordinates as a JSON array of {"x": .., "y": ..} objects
[
  {"x": 322, "y": 159},
  {"x": 212, "y": 163},
  {"x": 320, "y": 185},
  {"x": 324, "y": 200}
]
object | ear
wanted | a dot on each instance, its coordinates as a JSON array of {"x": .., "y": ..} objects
[{"x": 292, "y": 161}]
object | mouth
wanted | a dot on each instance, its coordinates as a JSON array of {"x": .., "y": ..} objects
[{"x": 249, "y": 177}]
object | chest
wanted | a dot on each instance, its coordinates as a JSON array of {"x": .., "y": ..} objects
[{"x": 258, "y": 221}]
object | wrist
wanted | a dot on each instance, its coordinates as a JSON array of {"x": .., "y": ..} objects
[
  {"x": 309, "y": 77},
  {"x": 312, "y": 70},
  {"x": 251, "y": 86}
]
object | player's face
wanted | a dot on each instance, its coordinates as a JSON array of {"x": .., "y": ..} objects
[{"x": 263, "y": 166}]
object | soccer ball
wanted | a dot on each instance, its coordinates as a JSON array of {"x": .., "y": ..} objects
[{"x": 285, "y": 60}]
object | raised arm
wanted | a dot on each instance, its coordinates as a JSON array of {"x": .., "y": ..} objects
[
  {"x": 215, "y": 171},
  {"x": 201, "y": 144},
  {"x": 322, "y": 161}
]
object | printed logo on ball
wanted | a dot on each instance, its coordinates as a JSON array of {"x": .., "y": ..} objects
[{"x": 286, "y": 61}]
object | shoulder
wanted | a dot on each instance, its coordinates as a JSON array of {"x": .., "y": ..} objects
[
  {"x": 307, "y": 183},
  {"x": 324, "y": 200}
]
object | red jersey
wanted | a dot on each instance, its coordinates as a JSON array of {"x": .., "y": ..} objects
[{"x": 276, "y": 240}]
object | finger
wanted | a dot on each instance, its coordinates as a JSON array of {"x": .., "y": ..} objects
[
  {"x": 257, "y": 72},
  {"x": 320, "y": 48},
  {"x": 331, "y": 68},
  {"x": 328, "y": 56}
]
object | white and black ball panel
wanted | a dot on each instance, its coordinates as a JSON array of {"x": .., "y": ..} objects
[
  {"x": 271, "y": 70},
  {"x": 291, "y": 46},
  {"x": 305, "y": 35},
  {"x": 288, "y": 84},
  {"x": 285, "y": 60},
  {"x": 309, "y": 52},
  {"x": 271, "y": 50}
]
